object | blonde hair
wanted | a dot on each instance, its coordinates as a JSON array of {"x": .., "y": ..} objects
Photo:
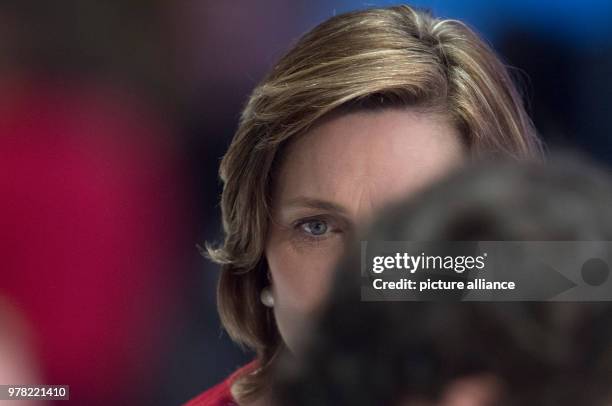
[{"x": 395, "y": 56}]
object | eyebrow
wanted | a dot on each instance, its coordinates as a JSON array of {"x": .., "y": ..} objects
[{"x": 312, "y": 203}]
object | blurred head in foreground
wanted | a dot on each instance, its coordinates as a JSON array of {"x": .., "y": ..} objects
[
  {"x": 468, "y": 353},
  {"x": 366, "y": 108}
]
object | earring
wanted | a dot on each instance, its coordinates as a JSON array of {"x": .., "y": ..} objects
[{"x": 266, "y": 297}]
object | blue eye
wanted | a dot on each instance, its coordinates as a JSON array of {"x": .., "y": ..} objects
[{"x": 315, "y": 227}]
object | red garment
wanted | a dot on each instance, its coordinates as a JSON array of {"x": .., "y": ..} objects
[{"x": 220, "y": 395}]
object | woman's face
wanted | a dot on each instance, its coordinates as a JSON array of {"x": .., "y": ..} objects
[{"x": 330, "y": 183}]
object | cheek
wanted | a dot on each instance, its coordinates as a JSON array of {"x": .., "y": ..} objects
[{"x": 301, "y": 277}]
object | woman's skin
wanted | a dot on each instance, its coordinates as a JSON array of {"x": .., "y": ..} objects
[
  {"x": 477, "y": 390},
  {"x": 331, "y": 182}
]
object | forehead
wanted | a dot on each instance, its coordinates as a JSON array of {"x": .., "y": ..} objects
[{"x": 366, "y": 159}]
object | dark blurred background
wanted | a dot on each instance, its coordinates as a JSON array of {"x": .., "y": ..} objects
[{"x": 113, "y": 118}]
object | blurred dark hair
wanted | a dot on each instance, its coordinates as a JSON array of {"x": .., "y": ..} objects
[{"x": 544, "y": 353}]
